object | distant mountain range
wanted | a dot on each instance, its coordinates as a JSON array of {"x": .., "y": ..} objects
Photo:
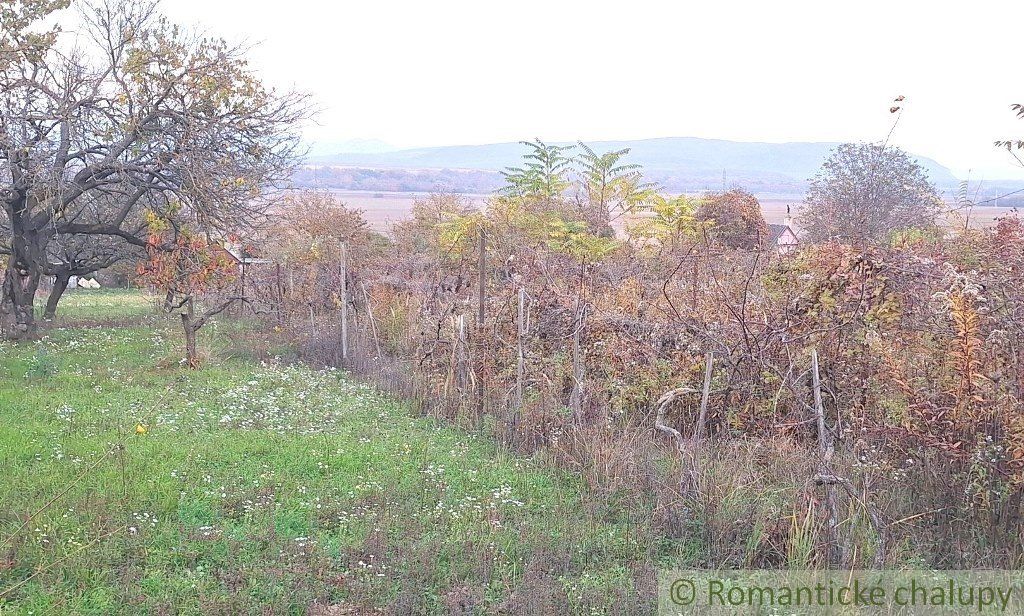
[
  {"x": 349, "y": 146},
  {"x": 678, "y": 163}
]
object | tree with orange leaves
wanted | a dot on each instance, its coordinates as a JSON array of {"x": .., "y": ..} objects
[{"x": 183, "y": 265}]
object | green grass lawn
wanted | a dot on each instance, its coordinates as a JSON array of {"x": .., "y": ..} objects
[{"x": 254, "y": 486}]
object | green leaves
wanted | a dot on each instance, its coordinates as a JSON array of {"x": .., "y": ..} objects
[
  {"x": 457, "y": 234},
  {"x": 608, "y": 183},
  {"x": 544, "y": 175},
  {"x": 672, "y": 220},
  {"x": 865, "y": 192},
  {"x": 18, "y": 42},
  {"x": 611, "y": 185}
]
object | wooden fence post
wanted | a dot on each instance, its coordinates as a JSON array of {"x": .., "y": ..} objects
[
  {"x": 373, "y": 322},
  {"x": 824, "y": 437},
  {"x": 480, "y": 325},
  {"x": 241, "y": 294},
  {"x": 461, "y": 361},
  {"x": 702, "y": 419},
  {"x": 578, "y": 368},
  {"x": 520, "y": 353},
  {"x": 344, "y": 302},
  {"x": 826, "y": 450},
  {"x": 280, "y": 296}
]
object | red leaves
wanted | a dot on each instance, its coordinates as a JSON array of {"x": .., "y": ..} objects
[{"x": 185, "y": 263}]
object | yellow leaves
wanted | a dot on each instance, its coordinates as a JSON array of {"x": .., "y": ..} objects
[
  {"x": 141, "y": 429},
  {"x": 966, "y": 352},
  {"x": 627, "y": 296},
  {"x": 155, "y": 223},
  {"x": 237, "y": 182},
  {"x": 183, "y": 262},
  {"x": 572, "y": 238},
  {"x": 671, "y": 220},
  {"x": 457, "y": 235}
]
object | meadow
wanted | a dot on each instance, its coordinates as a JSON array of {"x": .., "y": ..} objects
[{"x": 132, "y": 484}]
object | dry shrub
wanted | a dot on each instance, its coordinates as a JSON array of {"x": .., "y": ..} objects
[{"x": 918, "y": 363}]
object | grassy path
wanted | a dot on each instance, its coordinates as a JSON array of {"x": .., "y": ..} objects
[{"x": 264, "y": 487}]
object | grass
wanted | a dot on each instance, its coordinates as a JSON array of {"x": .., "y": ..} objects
[{"x": 254, "y": 486}]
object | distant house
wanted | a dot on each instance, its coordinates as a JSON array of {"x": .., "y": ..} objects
[
  {"x": 242, "y": 256},
  {"x": 782, "y": 236}
]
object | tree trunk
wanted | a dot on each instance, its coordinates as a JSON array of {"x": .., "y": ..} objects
[
  {"x": 191, "y": 351},
  {"x": 17, "y": 299},
  {"x": 21, "y": 280},
  {"x": 60, "y": 284}
]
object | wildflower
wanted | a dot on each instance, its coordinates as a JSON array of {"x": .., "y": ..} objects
[{"x": 141, "y": 429}]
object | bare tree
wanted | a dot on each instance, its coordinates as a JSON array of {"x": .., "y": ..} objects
[
  {"x": 866, "y": 191},
  {"x": 82, "y": 255},
  {"x": 135, "y": 116}
]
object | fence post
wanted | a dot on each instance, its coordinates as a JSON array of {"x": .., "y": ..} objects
[
  {"x": 520, "y": 354},
  {"x": 241, "y": 277},
  {"x": 702, "y": 419},
  {"x": 825, "y": 448},
  {"x": 344, "y": 302},
  {"x": 373, "y": 323},
  {"x": 462, "y": 368},
  {"x": 481, "y": 316},
  {"x": 280, "y": 296},
  {"x": 578, "y": 368}
]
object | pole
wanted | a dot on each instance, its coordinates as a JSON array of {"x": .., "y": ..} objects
[
  {"x": 344, "y": 302},
  {"x": 520, "y": 354},
  {"x": 835, "y": 551},
  {"x": 280, "y": 296},
  {"x": 702, "y": 420},
  {"x": 373, "y": 323},
  {"x": 480, "y": 318}
]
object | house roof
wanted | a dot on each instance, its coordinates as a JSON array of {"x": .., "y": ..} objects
[
  {"x": 775, "y": 232},
  {"x": 241, "y": 256}
]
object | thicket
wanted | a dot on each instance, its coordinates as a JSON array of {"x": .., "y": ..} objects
[{"x": 862, "y": 406}]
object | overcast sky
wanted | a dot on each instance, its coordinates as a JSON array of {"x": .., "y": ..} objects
[{"x": 416, "y": 73}]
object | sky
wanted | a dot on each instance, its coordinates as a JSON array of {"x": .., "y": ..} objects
[{"x": 447, "y": 72}]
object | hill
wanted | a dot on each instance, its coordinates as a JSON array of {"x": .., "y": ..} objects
[{"x": 678, "y": 163}]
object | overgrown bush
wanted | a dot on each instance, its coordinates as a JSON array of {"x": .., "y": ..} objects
[{"x": 919, "y": 344}]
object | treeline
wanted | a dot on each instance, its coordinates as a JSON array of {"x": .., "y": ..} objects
[
  {"x": 398, "y": 180},
  {"x": 467, "y": 181}
]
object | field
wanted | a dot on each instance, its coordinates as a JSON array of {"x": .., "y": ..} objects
[
  {"x": 384, "y": 209},
  {"x": 134, "y": 485}
]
